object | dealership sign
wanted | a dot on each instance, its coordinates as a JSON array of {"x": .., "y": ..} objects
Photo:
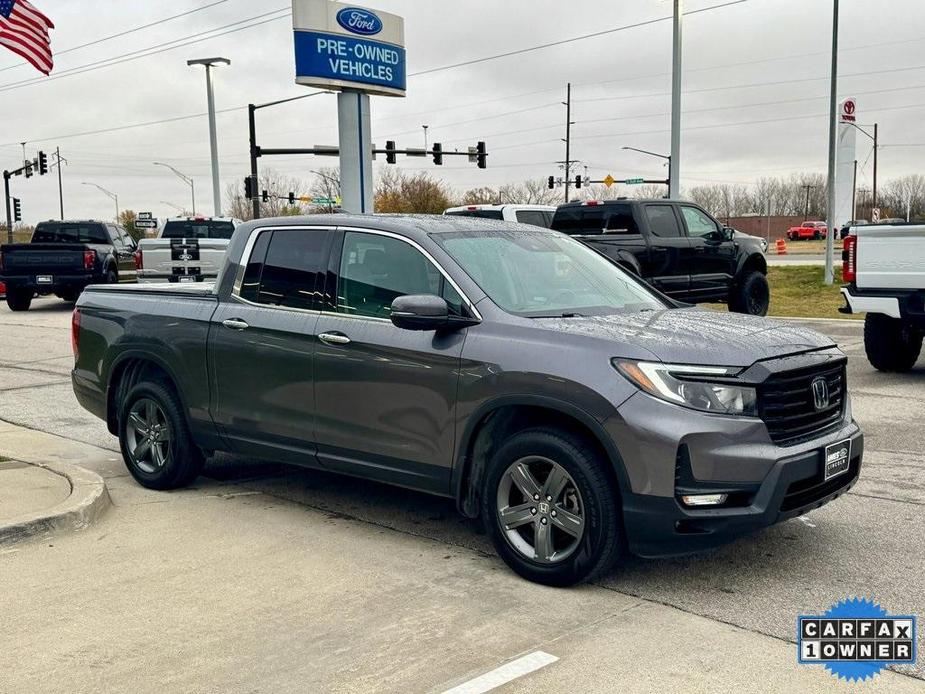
[{"x": 341, "y": 46}]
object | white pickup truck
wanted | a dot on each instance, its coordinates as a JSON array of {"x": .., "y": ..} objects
[
  {"x": 884, "y": 266},
  {"x": 188, "y": 249}
]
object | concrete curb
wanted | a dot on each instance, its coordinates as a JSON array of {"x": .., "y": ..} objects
[{"x": 86, "y": 503}]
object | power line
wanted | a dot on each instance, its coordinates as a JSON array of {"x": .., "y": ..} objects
[
  {"x": 605, "y": 32},
  {"x": 126, "y": 32}
]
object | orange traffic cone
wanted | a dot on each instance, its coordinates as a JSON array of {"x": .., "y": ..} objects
[{"x": 781, "y": 247}]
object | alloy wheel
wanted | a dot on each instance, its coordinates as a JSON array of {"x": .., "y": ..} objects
[
  {"x": 540, "y": 510},
  {"x": 148, "y": 436}
]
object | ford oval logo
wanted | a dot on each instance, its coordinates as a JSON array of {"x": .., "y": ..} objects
[{"x": 359, "y": 21}]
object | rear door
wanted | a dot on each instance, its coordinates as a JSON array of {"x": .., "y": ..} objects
[
  {"x": 668, "y": 265},
  {"x": 609, "y": 228},
  {"x": 261, "y": 343},
  {"x": 386, "y": 396},
  {"x": 713, "y": 262},
  {"x": 123, "y": 251}
]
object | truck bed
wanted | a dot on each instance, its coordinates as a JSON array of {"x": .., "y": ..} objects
[{"x": 891, "y": 256}]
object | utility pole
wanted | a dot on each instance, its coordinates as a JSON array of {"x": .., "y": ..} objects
[
  {"x": 9, "y": 212},
  {"x": 252, "y": 133},
  {"x": 674, "y": 172},
  {"x": 807, "y": 188},
  {"x": 58, "y": 160},
  {"x": 568, "y": 137},
  {"x": 833, "y": 108},
  {"x": 854, "y": 192},
  {"x": 875, "y": 167}
]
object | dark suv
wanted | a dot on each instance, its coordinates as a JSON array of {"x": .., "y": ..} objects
[
  {"x": 675, "y": 246},
  {"x": 506, "y": 366}
]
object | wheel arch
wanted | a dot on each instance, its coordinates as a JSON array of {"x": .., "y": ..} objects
[
  {"x": 750, "y": 263},
  {"x": 494, "y": 421},
  {"x": 130, "y": 368}
]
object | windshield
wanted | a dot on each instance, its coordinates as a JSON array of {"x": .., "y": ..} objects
[
  {"x": 70, "y": 233},
  {"x": 197, "y": 229},
  {"x": 540, "y": 274}
]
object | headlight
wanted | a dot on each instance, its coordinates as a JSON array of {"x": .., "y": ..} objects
[{"x": 691, "y": 386}]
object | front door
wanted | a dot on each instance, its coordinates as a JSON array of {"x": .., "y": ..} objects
[
  {"x": 385, "y": 396},
  {"x": 261, "y": 342},
  {"x": 713, "y": 262}
]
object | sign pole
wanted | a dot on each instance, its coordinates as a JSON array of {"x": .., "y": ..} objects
[
  {"x": 9, "y": 214},
  {"x": 356, "y": 155},
  {"x": 833, "y": 106}
]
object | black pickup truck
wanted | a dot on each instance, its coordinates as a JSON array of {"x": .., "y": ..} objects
[
  {"x": 676, "y": 247},
  {"x": 63, "y": 258}
]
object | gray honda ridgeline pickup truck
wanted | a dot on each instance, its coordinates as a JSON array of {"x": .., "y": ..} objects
[{"x": 579, "y": 413}]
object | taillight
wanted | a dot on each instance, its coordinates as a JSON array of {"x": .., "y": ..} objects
[
  {"x": 849, "y": 270},
  {"x": 139, "y": 262},
  {"x": 75, "y": 332},
  {"x": 89, "y": 259}
]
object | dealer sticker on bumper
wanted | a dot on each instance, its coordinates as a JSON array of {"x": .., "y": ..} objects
[{"x": 837, "y": 459}]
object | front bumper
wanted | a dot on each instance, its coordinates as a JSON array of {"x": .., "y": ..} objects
[{"x": 668, "y": 451}]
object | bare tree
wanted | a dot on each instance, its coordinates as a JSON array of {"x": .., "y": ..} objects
[
  {"x": 481, "y": 196},
  {"x": 326, "y": 184},
  {"x": 904, "y": 197},
  {"x": 278, "y": 187},
  {"x": 397, "y": 191}
]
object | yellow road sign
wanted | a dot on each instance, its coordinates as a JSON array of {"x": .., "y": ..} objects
[{"x": 609, "y": 181}]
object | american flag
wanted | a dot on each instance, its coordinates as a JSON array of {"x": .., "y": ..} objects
[{"x": 24, "y": 30}]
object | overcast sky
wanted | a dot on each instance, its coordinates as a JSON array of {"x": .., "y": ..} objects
[{"x": 759, "y": 60}]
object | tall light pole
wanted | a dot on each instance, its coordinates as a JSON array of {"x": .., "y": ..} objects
[
  {"x": 660, "y": 156},
  {"x": 109, "y": 193},
  {"x": 213, "y": 138},
  {"x": 186, "y": 179},
  {"x": 833, "y": 107},
  {"x": 674, "y": 171},
  {"x": 425, "y": 136}
]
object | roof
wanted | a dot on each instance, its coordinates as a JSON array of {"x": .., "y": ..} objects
[
  {"x": 499, "y": 206},
  {"x": 411, "y": 225},
  {"x": 622, "y": 201}
]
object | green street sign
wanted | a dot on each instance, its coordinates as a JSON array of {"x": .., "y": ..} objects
[{"x": 634, "y": 181}]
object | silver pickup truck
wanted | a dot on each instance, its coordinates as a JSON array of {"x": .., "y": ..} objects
[
  {"x": 189, "y": 249},
  {"x": 884, "y": 266}
]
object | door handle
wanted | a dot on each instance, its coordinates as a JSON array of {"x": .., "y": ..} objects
[
  {"x": 334, "y": 338},
  {"x": 235, "y": 324}
]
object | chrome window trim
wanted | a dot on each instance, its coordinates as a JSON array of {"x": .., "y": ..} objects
[{"x": 414, "y": 244}]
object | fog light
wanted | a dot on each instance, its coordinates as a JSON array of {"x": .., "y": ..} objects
[{"x": 704, "y": 499}]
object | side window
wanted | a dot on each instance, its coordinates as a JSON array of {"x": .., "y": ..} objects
[
  {"x": 250, "y": 284},
  {"x": 579, "y": 219},
  {"x": 292, "y": 269},
  {"x": 620, "y": 220},
  {"x": 534, "y": 217},
  {"x": 375, "y": 269},
  {"x": 116, "y": 236},
  {"x": 662, "y": 221},
  {"x": 698, "y": 223}
]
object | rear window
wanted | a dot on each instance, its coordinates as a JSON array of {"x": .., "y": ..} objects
[
  {"x": 70, "y": 233},
  {"x": 197, "y": 229},
  {"x": 595, "y": 219},
  {"x": 481, "y": 214}
]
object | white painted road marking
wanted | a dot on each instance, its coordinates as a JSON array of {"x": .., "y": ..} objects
[
  {"x": 806, "y": 521},
  {"x": 504, "y": 674}
]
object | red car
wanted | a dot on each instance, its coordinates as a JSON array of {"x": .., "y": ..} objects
[{"x": 808, "y": 230}]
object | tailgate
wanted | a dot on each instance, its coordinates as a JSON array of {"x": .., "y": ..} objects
[
  {"x": 891, "y": 257},
  {"x": 43, "y": 258},
  {"x": 182, "y": 257}
]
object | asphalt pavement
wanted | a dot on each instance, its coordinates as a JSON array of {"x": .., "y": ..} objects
[{"x": 267, "y": 578}]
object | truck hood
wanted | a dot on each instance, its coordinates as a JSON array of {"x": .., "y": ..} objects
[{"x": 696, "y": 336}]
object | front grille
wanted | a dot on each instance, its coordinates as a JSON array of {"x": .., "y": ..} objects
[
  {"x": 786, "y": 404},
  {"x": 812, "y": 489}
]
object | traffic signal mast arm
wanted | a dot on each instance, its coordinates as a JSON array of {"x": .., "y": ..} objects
[{"x": 477, "y": 154}]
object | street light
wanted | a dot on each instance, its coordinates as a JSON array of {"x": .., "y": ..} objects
[
  {"x": 334, "y": 184},
  {"x": 185, "y": 178},
  {"x": 170, "y": 204},
  {"x": 213, "y": 138},
  {"x": 666, "y": 157},
  {"x": 109, "y": 193}
]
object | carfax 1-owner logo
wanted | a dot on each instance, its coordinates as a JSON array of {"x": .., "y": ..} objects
[{"x": 856, "y": 639}]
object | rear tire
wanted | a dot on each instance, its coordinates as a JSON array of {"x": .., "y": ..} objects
[
  {"x": 112, "y": 277},
  {"x": 751, "y": 294},
  {"x": 70, "y": 296},
  {"x": 155, "y": 438},
  {"x": 19, "y": 299},
  {"x": 572, "y": 537},
  {"x": 891, "y": 345}
]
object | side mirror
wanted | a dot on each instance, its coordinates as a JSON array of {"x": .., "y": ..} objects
[
  {"x": 728, "y": 233},
  {"x": 420, "y": 312}
]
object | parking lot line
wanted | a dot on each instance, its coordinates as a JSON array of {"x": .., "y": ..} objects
[{"x": 504, "y": 674}]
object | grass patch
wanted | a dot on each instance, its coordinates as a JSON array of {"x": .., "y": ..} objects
[
  {"x": 802, "y": 292},
  {"x": 809, "y": 247}
]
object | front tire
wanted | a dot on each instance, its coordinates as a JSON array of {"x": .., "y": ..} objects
[
  {"x": 155, "y": 439},
  {"x": 19, "y": 299},
  {"x": 751, "y": 294},
  {"x": 890, "y": 344},
  {"x": 551, "y": 509}
]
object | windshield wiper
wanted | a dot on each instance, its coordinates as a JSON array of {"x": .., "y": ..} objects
[{"x": 561, "y": 315}]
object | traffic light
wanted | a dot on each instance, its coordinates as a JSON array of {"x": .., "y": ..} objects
[
  {"x": 265, "y": 196},
  {"x": 291, "y": 198},
  {"x": 250, "y": 187},
  {"x": 551, "y": 182},
  {"x": 438, "y": 154},
  {"x": 481, "y": 155},
  {"x": 577, "y": 181},
  {"x": 390, "y": 156},
  {"x": 17, "y": 210},
  {"x": 43, "y": 163},
  {"x": 28, "y": 172}
]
